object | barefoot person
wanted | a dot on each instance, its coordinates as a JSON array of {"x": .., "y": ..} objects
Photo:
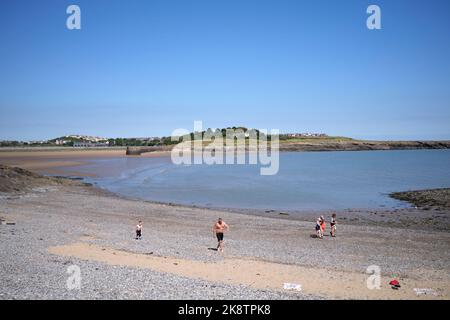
[
  {"x": 218, "y": 229},
  {"x": 322, "y": 225},
  {"x": 319, "y": 228},
  {"x": 333, "y": 225},
  {"x": 139, "y": 230}
]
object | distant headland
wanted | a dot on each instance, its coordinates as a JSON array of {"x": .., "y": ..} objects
[{"x": 287, "y": 142}]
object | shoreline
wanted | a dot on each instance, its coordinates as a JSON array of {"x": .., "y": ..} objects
[
  {"x": 65, "y": 166},
  {"x": 98, "y": 241},
  {"x": 322, "y": 145},
  {"x": 59, "y": 222},
  {"x": 402, "y": 218},
  {"x": 294, "y": 145}
]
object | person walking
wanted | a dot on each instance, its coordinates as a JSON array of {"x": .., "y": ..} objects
[
  {"x": 139, "y": 230},
  {"x": 333, "y": 225},
  {"x": 218, "y": 230},
  {"x": 319, "y": 228}
]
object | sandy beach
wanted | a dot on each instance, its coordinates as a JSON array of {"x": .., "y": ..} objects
[
  {"x": 61, "y": 161},
  {"x": 56, "y": 223},
  {"x": 318, "y": 131}
]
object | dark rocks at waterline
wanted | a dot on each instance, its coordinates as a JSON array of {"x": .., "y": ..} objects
[{"x": 426, "y": 199}]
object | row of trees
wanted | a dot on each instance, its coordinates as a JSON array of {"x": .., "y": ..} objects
[
  {"x": 14, "y": 143},
  {"x": 164, "y": 141}
]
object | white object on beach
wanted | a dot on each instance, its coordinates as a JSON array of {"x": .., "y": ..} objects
[
  {"x": 425, "y": 291},
  {"x": 9, "y": 223},
  {"x": 292, "y": 286}
]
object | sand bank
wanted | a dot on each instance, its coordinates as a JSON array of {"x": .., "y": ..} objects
[
  {"x": 255, "y": 273},
  {"x": 62, "y": 161}
]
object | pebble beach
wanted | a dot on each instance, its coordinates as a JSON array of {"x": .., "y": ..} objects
[{"x": 61, "y": 224}]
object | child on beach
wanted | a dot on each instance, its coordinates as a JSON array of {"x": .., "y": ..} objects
[
  {"x": 333, "y": 225},
  {"x": 322, "y": 225},
  {"x": 139, "y": 230},
  {"x": 319, "y": 228}
]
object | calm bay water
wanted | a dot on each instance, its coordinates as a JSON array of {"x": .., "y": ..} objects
[{"x": 305, "y": 181}]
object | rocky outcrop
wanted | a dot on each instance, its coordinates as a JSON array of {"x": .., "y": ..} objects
[
  {"x": 426, "y": 199},
  {"x": 136, "y": 151},
  {"x": 17, "y": 180},
  {"x": 352, "y": 145},
  {"x": 364, "y": 145}
]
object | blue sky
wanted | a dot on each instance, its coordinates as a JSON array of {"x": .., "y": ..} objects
[{"x": 145, "y": 68}]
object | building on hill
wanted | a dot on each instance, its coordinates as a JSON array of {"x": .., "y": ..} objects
[{"x": 90, "y": 144}]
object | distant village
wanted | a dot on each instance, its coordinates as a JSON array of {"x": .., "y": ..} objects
[
  {"x": 84, "y": 141},
  {"x": 304, "y": 135}
]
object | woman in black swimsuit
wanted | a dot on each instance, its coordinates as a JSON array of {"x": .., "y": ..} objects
[{"x": 333, "y": 225}]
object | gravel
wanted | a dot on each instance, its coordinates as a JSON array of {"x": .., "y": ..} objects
[
  {"x": 28, "y": 271},
  {"x": 68, "y": 214}
]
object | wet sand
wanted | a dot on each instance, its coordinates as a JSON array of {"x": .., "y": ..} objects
[{"x": 61, "y": 161}]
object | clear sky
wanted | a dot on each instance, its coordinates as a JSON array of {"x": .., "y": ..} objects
[{"x": 145, "y": 68}]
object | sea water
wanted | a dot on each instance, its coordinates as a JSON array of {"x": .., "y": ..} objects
[{"x": 305, "y": 181}]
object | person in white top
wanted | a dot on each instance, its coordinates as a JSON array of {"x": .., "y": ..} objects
[
  {"x": 139, "y": 230},
  {"x": 319, "y": 228}
]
